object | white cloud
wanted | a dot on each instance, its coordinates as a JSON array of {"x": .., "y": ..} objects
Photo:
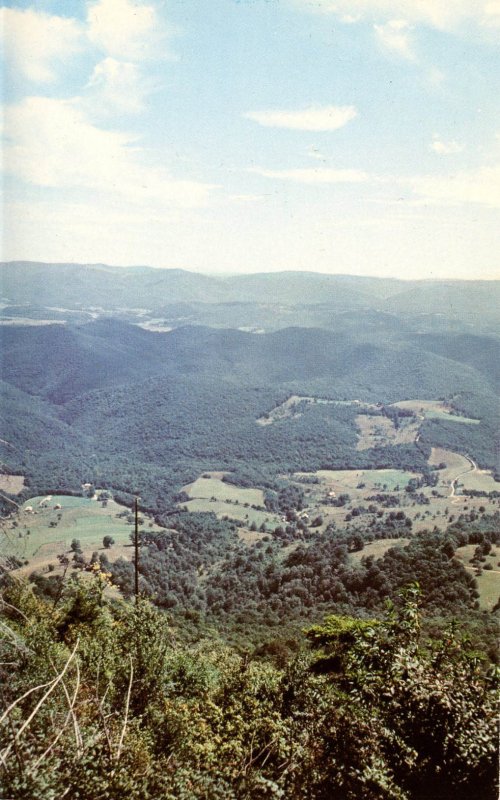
[
  {"x": 441, "y": 14},
  {"x": 51, "y": 143},
  {"x": 492, "y": 14},
  {"x": 480, "y": 186},
  {"x": 126, "y": 29},
  {"x": 314, "y": 118},
  {"x": 36, "y": 44},
  {"x": 313, "y": 152},
  {"x": 117, "y": 86},
  {"x": 312, "y": 176},
  {"x": 446, "y": 148},
  {"x": 395, "y": 37}
]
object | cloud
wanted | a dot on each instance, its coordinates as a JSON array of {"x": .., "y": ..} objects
[
  {"x": 36, "y": 44},
  {"x": 446, "y": 148},
  {"x": 117, "y": 86},
  {"x": 312, "y": 176},
  {"x": 441, "y": 14},
  {"x": 314, "y": 118},
  {"x": 50, "y": 143},
  {"x": 492, "y": 14},
  {"x": 395, "y": 37},
  {"x": 126, "y": 29},
  {"x": 480, "y": 186}
]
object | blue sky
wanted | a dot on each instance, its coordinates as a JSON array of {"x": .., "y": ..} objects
[{"x": 358, "y": 137}]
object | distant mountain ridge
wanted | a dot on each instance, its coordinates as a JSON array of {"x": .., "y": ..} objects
[{"x": 101, "y": 286}]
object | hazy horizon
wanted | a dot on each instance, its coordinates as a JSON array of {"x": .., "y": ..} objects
[
  {"x": 277, "y": 271},
  {"x": 235, "y": 137}
]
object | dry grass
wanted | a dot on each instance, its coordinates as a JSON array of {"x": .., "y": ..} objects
[
  {"x": 482, "y": 480},
  {"x": 250, "y": 537},
  {"x": 12, "y": 484},
  {"x": 377, "y": 548},
  {"x": 380, "y": 431}
]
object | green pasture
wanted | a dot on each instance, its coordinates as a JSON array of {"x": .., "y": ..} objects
[
  {"x": 434, "y": 409},
  {"x": 488, "y": 583},
  {"x": 450, "y": 417},
  {"x": 481, "y": 481},
  {"x": 206, "y": 488},
  {"x": 387, "y": 479},
  {"x": 232, "y": 510},
  {"x": 378, "y": 548},
  {"x": 47, "y": 531}
]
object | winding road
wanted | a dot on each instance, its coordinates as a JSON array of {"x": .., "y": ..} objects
[{"x": 473, "y": 468}]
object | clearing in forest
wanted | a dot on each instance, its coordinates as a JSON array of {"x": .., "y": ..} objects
[
  {"x": 434, "y": 409},
  {"x": 293, "y": 407},
  {"x": 378, "y": 548},
  {"x": 380, "y": 431},
  {"x": 488, "y": 582},
  {"x": 206, "y": 488},
  {"x": 370, "y": 479},
  {"x": 211, "y": 494},
  {"x": 461, "y": 473},
  {"x": 480, "y": 480},
  {"x": 12, "y": 484},
  {"x": 290, "y": 408},
  {"x": 456, "y": 466}
]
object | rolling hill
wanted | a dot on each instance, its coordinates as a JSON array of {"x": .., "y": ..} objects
[{"x": 110, "y": 402}]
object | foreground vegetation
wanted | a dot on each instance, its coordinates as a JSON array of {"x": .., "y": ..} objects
[{"x": 102, "y": 701}]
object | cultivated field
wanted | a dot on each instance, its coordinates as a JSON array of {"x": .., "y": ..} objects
[
  {"x": 443, "y": 503},
  {"x": 40, "y": 535},
  {"x": 212, "y": 486},
  {"x": 225, "y": 500},
  {"x": 243, "y": 513},
  {"x": 373, "y": 479}
]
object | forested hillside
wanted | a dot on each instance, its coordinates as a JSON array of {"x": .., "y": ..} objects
[
  {"x": 105, "y": 701},
  {"x": 188, "y": 400},
  {"x": 319, "y": 515}
]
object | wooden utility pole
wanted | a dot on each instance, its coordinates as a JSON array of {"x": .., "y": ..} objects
[{"x": 136, "y": 545}]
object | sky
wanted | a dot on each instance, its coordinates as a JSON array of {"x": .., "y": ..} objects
[{"x": 229, "y": 136}]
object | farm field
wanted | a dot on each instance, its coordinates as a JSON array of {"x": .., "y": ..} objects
[
  {"x": 377, "y": 548},
  {"x": 12, "y": 484},
  {"x": 480, "y": 480},
  {"x": 488, "y": 583},
  {"x": 461, "y": 469},
  {"x": 434, "y": 409},
  {"x": 374, "y": 479},
  {"x": 456, "y": 465},
  {"x": 212, "y": 486},
  {"x": 288, "y": 409},
  {"x": 233, "y": 511},
  {"x": 442, "y": 503},
  {"x": 38, "y": 537},
  {"x": 374, "y": 431},
  {"x": 211, "y": 494}
]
